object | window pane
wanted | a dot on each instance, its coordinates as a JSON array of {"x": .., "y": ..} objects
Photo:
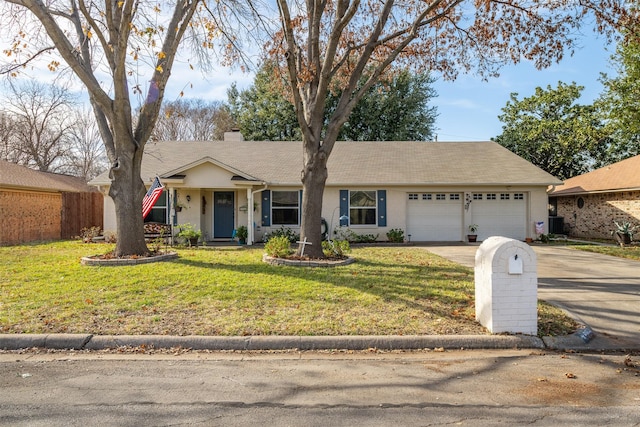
[
  {"x": 284, "y": 199},
  {"x": 362, "y": 198},
  {"x": 284, "y": 207},
  {"x": 285, "y": 216},
  {"x": 157, "y": 215},
  {"x": 362, "y": 216},
  {"x": 162, "y": 200}
]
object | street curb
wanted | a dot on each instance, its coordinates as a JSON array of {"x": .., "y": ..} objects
[
  {"x": 52, "y": 341},
  {"x": 359, "y": 342}
]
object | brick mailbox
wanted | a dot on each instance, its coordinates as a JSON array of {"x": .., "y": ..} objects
[{"x": 506, "y": 282}]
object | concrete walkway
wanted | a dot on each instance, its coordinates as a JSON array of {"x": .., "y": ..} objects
[{"x": 600, "y": 291}]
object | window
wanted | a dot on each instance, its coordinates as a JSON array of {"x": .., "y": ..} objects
[
  {"x": 454, "y": 196},
  {"x": 362, "y": 207},
  {"x": 441, "y": 197},
  {"x": 553, "y": 206},
  {"x": 158, "y": 212},
  {"x": 518, "y": 196},
  {"x": 413, "y": 196},
  {"x": 477, "y": 196},
  {"x": 426, "y": 196},
  {"x": 285, "y": 208},
  {"x": 504, "y": 196},
  {"x": 491, "y": 196},
  {"x": 580, "y": 203}
]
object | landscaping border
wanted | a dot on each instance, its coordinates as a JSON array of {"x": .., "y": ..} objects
[
  {"x": 307, "y": 262},
  {"x": 96, "y": 261}
]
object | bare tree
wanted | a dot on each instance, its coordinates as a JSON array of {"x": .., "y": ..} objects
[
  {"x": 7, "y": 142},
  {"x": 192, "y": 120},
  {"x": 108, "y": 46},
  {"x": 349, "y": 45},
  {"x": 40, "y": 118},
  {"x": 86, "y": 156}
]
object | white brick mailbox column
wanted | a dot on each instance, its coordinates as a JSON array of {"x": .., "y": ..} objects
[{"x": 506, "y": 282}]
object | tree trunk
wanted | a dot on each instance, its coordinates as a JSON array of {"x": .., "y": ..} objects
[
  {"x": 127, "y": 191},
  {"x": 314, "y": 177}
]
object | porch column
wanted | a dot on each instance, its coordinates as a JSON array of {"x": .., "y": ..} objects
[
  {"x": 171, "y": 211},
  {"x": 250, "y": 213}
]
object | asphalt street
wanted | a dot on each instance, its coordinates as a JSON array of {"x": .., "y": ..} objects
[{"x": 424, "y": 388}]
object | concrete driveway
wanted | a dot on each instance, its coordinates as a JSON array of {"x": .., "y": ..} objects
[{"x": 600, "y": 291}]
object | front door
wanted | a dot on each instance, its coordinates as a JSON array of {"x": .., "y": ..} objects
[{"x": 222, "y": 214}]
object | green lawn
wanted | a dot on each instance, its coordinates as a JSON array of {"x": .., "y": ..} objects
[
  {"x": 631, "y": 252},
  {"x": 229, "y": 291}
]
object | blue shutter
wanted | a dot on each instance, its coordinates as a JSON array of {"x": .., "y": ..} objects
[
  {"x": 382, "y": 208},
  {"x": 300, "y": 208},
  {"x": 266, "y": 208},
  {"x": 344, "y": 207},
  {"x": 173, "y": 202}
]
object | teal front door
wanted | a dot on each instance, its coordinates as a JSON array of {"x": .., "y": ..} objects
[{"x": 223, "y": 214}]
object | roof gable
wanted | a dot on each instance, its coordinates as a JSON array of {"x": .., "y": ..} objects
[
  {"x": 615, "y": 177},
  {"x": 182, "y": 169}
]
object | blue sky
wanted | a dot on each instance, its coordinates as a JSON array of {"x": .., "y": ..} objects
[{"x": 469, "y": 108}]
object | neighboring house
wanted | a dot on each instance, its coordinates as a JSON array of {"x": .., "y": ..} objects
[
  {"x": 433, "y": 191},
  {"x": 588, "y": 204},
  {"x": 38, "y": 205}
]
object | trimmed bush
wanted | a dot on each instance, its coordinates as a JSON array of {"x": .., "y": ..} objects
[
  {"x": 278, "y": 247},
  {"x": 335, "y": 248}
]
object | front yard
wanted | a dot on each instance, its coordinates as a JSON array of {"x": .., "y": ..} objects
[
  {"x": 229, "y": 291},
  {"x": 631, "y": 252}
]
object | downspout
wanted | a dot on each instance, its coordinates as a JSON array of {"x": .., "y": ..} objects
[{"x": 250, "y": 218}]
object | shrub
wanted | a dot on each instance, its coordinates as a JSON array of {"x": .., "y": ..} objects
[
  {"x": 87, "y": 234},
  {"x": 278, "y": 246},
  {"x": 110, "y": 237},
  {"x": 335, "y": 248},
  {"x": 344, "y": 233},
  {"x": 395, "y": 235},
  {"x": 158, "y": 242},
  {"x": 291, "y": 235}
]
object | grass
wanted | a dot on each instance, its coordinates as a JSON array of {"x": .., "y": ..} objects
[
  {"x": 44, "y": 289},
  {"x": 631, "y": 252}
]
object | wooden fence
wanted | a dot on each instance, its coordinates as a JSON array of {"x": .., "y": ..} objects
[
  {"x": 80, "y": 210},
  {"x": 27, "y": 216}
]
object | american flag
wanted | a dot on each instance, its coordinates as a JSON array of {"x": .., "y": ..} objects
[{"x": 151, "y": 197}]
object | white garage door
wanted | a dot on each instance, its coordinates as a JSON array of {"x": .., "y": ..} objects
[
  {"x": 500, "y": 214},
  {"x": 434, "y": 217}
]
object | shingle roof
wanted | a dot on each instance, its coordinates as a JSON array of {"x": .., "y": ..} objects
[
  {"x": 620, "y": 176},
  {"x": 19, "y": 177},
  {"x": 360, "y": 163}
]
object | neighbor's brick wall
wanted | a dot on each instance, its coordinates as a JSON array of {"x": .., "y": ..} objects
[
  {"x": 29, "y": 216},
  {"x": 595, "y": 219}
]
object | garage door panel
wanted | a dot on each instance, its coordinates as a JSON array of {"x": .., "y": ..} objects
[
  {"x": 500, "y": 217},
  {"x": 435, "y": 219}
]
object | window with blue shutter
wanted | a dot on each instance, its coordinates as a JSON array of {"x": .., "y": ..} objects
[{"x": 364, "y": 207}]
